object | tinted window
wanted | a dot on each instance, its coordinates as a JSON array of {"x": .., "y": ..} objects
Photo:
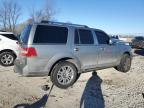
[
  {"x": 139, "y": 38},
  {"x": 76, "y": 41},
  {"x": 102, "y": 37},
  {"x": 10, "y": 36},
  {"x": 51, "y": 34},
  {"x": 25, "y": 34},
  {"x": 86, "y": 37}
]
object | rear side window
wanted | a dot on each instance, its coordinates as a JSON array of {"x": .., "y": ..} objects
[
  {"x": 50, "y": 34},
  {"x": 25, "y": 34},
  {"x": 10, "y": 36},
  {"x": 83, "y": 37},
  {"x": 102, "y": 37}
]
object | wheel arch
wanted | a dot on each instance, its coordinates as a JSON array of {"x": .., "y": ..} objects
[
  {"x": 72, "y": 60},
  {"x": 8, "y": 50},
  {"x": 121, "y": 67},
  {"x": 130, "y": 54}
]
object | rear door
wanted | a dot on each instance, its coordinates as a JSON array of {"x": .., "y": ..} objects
[
  {"x": 85, "y": 48},
  {"x": 108, "y": 54}
]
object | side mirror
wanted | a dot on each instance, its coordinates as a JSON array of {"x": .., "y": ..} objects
[{"x": 111, "y": 42}]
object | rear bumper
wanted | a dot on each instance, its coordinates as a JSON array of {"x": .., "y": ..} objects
[
  {"x": 18, "y": 67},
  {"x": 25, "y": 71},
  {"x": 29, "y": 74}
]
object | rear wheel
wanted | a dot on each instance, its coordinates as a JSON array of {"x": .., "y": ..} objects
[
  {"x": 64, "y": 74},
  {"x": 7, "y": 58},
  {"x": 125, "y": 63}
]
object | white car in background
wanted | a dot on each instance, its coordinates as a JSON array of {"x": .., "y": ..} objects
[
  {"x": 9, "y": 47},
  {"x": 118, "y": 41}
]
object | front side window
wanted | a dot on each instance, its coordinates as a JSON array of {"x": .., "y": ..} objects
[
  {"x": 102, "y": 37},
  {"x": 83, "y": 37},
  {"x": 51, "y": 34}
]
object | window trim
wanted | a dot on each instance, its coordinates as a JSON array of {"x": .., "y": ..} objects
[
  {"x": 49, "y": 43},
  {"x": 76, "y": 30}
]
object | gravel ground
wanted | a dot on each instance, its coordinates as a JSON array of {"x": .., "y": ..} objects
[{"x": 105, "y": 89}]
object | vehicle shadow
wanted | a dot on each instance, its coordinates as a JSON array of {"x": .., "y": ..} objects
[
  {"x": 92, "y": 96},
  {"x": 139, "y": 52},
  {"x": 38, "y": 104}
]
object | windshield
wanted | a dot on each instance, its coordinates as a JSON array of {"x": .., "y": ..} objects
[{"x": 25, "y": 34}]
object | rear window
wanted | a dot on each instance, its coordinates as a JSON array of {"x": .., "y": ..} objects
[
  {"x": 10, "y": 36},
  {"x": 51, "y": 34},
  {"x": 25, "y": 34}
]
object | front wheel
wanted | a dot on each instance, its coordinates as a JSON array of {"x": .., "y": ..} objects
[
  {"x": 64, "y": 74},
  {"x": 125, "y": 63},
  {"x": 7, "y": 58}
]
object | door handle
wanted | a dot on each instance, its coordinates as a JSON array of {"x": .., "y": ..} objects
[
  {"x": 102, "y": 48},
  {"x": 76, "y": 49}
]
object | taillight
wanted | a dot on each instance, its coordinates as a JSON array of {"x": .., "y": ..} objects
[{"x": 28, "y": 52}]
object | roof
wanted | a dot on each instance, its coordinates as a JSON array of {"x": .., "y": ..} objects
[
  {"x": 62, "y": 24},
  {"x": 6, "y": 33}
]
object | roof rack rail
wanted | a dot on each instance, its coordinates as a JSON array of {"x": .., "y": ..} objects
[{"x": 62, "y": 23}]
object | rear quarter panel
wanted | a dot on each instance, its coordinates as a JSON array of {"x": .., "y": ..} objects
[
  {"x": 48, "y": 54},
  {"x": 44, "y": 54}
]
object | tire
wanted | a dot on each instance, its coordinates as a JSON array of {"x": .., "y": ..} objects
[
  {"x": 7, "y": 59},
  {"x": 125, "y": 63},
  {"x": 61, "y": 78}
]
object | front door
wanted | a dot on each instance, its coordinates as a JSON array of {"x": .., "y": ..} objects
[
  {"x": 85, "y": 49},
  {"x": 108, "y": 54}
]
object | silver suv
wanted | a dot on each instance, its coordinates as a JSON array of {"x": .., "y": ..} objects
[{"x": 64, "y": 51}]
